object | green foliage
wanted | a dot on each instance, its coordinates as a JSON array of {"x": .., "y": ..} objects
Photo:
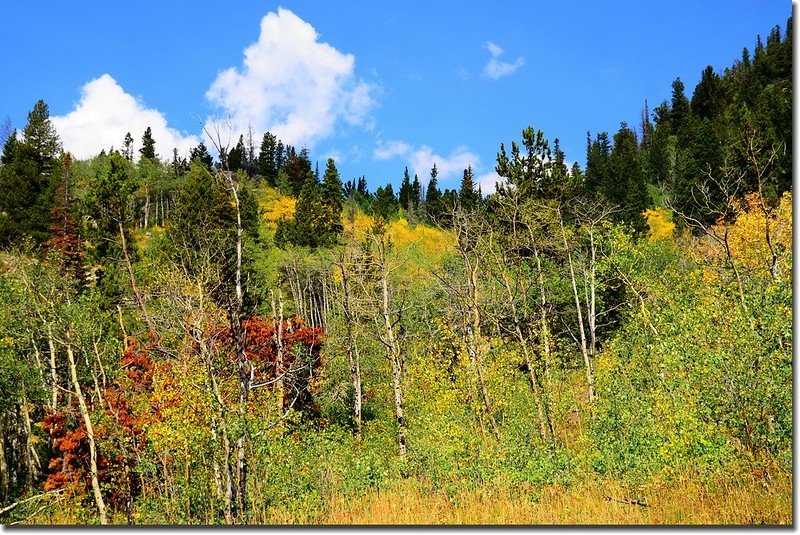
[
  {"x": 28, "y": 178},
  {"x": 148, "y": 150}
]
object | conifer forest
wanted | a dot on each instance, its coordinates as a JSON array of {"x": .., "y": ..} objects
[{"x": 245, "y": 336}]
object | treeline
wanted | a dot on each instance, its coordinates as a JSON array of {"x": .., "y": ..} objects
[{"x": 170, "y": 354}]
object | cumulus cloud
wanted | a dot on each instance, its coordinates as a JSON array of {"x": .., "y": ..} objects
[
  {"x": 292, "y": 84},
  {"x": 105, "y": 113},
  {"x": 496, "y": 68}
]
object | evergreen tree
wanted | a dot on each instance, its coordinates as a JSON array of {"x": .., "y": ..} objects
[
  {"x": 28, "y": 179},
  {"x": 433, "y": 197},
  {"x": 297, "y": 168},
  {"x": 179, "y": 165},
  {"x": 332, "y": 198},
  {"x": 708, "y": 98},
  {"x": 237, "y": 157},
  {"x": 267, "y": 161},
  {"x": 148, "y": 149},
  {"x": 310, "y": 226},
  {"x": 384, "y": 206},
  {"x": 405, "y": 191},
  {"x": 200, "y": 153},
  {"x": 625, "y": 186},
  {"x": 681, "y": 108},
  {"x": 598, "y": 153},
  {"x": 467, "y": 194},
  {"x": 416, "y": 192},
  {"x": 528, "y": 173},
  {"x": 127, "y": 147}
]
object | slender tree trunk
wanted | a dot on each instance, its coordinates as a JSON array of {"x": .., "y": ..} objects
[
  {"x": 393, "y": 350},
  {"x": 138, "y": 296},
  {"x": 84, "y": 410},
  {"x": 147, "y": 208},
  {"x": 4, "y": 473},
  {"x": 475, "y": 345},
  {"x": 31, "y": 459},
  {"x": 545, "y": 425},
  {"x": 245, "y": 369},
  {"x": 280, "y": 385},
  {"x": 544, "y": 328},
  {"x": 352, "y": 350},
  {"x": 53, "y": 371},
  {"x": 581, "y": 328}
]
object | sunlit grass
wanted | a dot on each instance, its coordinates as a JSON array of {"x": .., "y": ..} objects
[{"x": 592, "y": 502}]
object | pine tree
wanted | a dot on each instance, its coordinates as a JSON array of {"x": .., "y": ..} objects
[
  {"x": 297, "y": 168},
  {"x": 267, "y": 161},
  {"x": 433, "y": 197},
  {"x": 405, "y": 191},
  {"x": 309, "y": 227},
  {"x": 625, "y": 186},
  {"x": 179, "y": 165},
  {"x": 708, "y": 98},
  {"x": 127, "y": 147},
  {"x": 467, "y": 194},
  {"x": 385, "y": 205},
  {"x": 237, "y": 157},
  {"x": 148, "y": 149},
  {"x": 28, "y": 179},
  {"x": 416, "y": 192},
  {"x": 680, "y": 110},
  {"x": 332, "y": 198},
  {"x": 598, "y": 153},
  {"x": 200, "y": 153}
]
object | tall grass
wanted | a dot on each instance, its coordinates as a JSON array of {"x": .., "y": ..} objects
[{"x": 683, "y": 502}]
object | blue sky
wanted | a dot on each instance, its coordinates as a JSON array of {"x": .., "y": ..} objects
[{"x": 378, "y": 85}]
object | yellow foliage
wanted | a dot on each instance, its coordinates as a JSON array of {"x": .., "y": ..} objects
[
  {"x": 660, "y": 222},
  {"x": 275, "y": 206},
  {"x": 748, "y": 235},
  {"x": 747, "y": 239}
]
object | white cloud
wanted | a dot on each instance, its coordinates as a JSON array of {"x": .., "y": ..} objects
[
  {"x": 292, "y": 84},
  {"x": 106, "y": 113},
  {"x": 390, "y": 149},
  {"x": 422, "y": 159},
  {"x": 497, "y": 69},
  {"x": 488, "y": 182}
]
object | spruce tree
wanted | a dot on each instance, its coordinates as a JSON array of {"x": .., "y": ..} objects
[
  {"x": 237, "y": 157},
  {"x": 405, "y": 191},
  {"x": 148, "y": 149},
  {"x": 28, "y": 179},
  {"x": 625, "y": 186},
  {"x": 332, "y": 198},
  {"x": 467, "y": 194},
  {"x": 385, "y": 205},
  {"x": 200, "y": 153},
  {"x": 433, "y": 197},
  {"x": 416, "y": 192},
  {"x": 267, "y": 162}
]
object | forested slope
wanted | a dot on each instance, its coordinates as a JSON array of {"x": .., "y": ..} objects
[{"x": 253, "y": 340}]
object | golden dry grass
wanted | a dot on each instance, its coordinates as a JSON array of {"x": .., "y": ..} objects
[{"x": 592, "y": 503}]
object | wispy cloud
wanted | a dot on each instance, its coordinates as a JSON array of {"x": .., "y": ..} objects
[
  {"x": 421, "y": 161},
  {"x": 105, "y": 113},
  {"x": 390, "y": 149},
  {"x": 292, "y": 84},
  {"x": 496, "y": 68}
]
